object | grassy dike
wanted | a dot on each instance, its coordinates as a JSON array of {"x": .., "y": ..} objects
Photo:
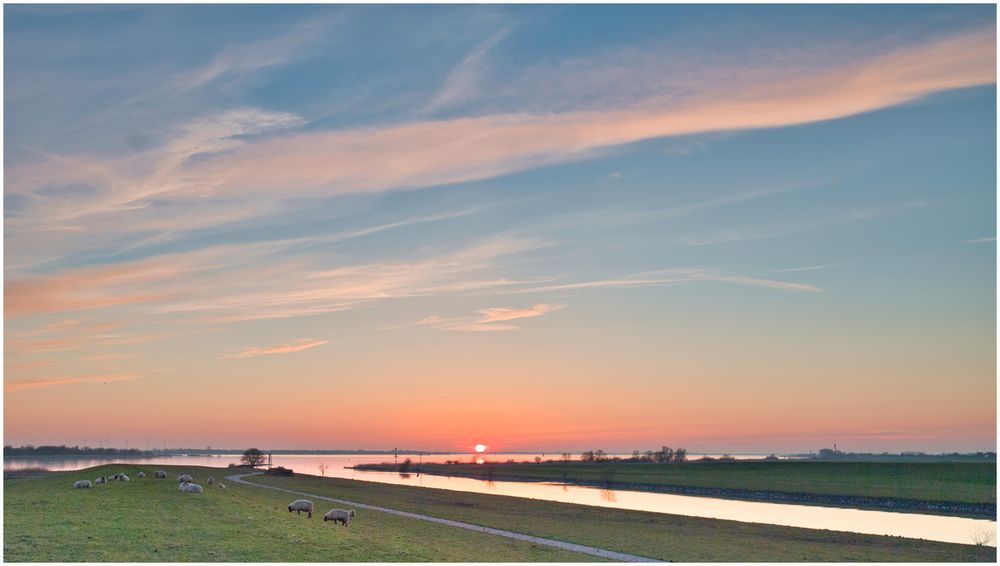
[
  {"x": 666, "y": 537},
  {"x": 147, "y": 519}
]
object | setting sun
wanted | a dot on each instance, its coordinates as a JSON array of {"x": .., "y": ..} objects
[{"x": 480, "y": 448}]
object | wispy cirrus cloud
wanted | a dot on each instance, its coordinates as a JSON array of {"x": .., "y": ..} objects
[
  {"x": 981, "y": 240},
  {"x": 494, "y": 319},
  {"x": 668, "y": 277},
  {"x": 13, "y": 386},
  {"x": 109, "y": 357},
  {"x": 28, "y": 365},
  {"x": 463, "y": 80},
  {"x": 501, "y": 314},
  {"x": 289, "y": 348},
  {"x": 235, "y": 163}
]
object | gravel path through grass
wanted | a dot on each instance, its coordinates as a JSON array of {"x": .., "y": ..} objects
[{"x": 593, "y": 551}]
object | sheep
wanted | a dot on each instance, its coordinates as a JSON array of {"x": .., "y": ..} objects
[
  {"x": 338, "y": 515},
  {"x": 160, "y": 474},
  {"x": 211, "y": 480},
  {"x": 187, "y": 487},
  {"x": 141, "y": 474},
  {"x": 185, "y": 478},
  {"x": 114, "y": 477},
  {"x": 101, "y": 479},
  {"x": 82, "y": 484},
  {"x": 300, "y": 505},
  {"x": 123, "y": 477},
  {"x": 221, "y": 485}
]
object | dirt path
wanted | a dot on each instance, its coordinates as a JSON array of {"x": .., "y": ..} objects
[{"x": 593, "y": 551}]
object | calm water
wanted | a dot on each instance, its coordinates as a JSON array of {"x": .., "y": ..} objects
[{"x": 909, "y": 525}]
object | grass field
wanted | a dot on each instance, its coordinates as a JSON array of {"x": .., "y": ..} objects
[
  {"x": 149, "y": 520},
  {"x": 944, "y": 481}
]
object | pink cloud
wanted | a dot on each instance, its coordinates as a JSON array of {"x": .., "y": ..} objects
[
  {"x": 296, "y": 346},
  {"x": 447, "y": 151},
  {"x": 500, "y": 314}
]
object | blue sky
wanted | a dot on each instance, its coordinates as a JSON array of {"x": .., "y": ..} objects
[{"x": 780, "y": 221}]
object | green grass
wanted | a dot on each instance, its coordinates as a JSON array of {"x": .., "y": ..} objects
[
  {"x": 944, "y": 481},
  {"x": 667, "y": 537},
  {"x": 146, "y": 520}
]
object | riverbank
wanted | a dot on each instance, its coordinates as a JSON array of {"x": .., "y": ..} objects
[
  {"x": 149, "y": 520},
  {"x": 964, "y": 490}
]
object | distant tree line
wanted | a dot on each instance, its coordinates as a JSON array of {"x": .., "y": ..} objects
[
  {"x": 63, "y": 450},
  {"x": 665, "y": 455}
]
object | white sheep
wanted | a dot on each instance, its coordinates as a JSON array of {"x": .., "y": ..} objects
[
  {"x": 221, "y": 485},
  {"x": 211, "y": 480},
  {"x": 141, "y": 474},
  {"x": 185, "y": 478},
  {"x": 114, "y": 477},
  {"x": 187, "y": 487},
  {"x": 101, "y": 479},
  {"x": 123, "y": 477},
  {"x": 82, "y": 484},
  {"x": 300, "y": 505},
  {"x": 160, "y": 474},
  {"x": 340, "y": 515}
]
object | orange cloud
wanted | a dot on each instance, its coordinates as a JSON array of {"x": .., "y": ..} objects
[{"x": 297, "y": 346}]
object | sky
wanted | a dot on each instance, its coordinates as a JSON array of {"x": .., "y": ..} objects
[{"x": 726, "y": 228}]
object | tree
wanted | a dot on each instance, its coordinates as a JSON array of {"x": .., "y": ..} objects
[
  {"x": 322, "y": 468},
  {"x": 599, "y": 455},
  {"x": 253, "y": 457},
  {"x": 680, "y": 455},
  {"x": 587, "y": 456}
]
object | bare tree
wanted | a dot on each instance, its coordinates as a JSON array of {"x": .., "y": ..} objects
[
  {"x": 680, "y": 455},
  {"x": 253, "y": 457},
  {"x": 322, "y": 468},
  {"x": 983, "y": 536}
]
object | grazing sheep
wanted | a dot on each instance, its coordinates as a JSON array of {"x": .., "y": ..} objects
[
  {"x": 300, "y": 505},
  {"x": 101, "y": 479},
  {"x": 340, "y": 515},
  {"x": 160, "y": 474},
  {"x": 211, "y": 480},
  {"x": 187, "y": 487},
  {"x": 123, "y": 477},
  {"x": 185, "y": 478},
  {"x": 222, "y": 485},
  {"x": 114, "y": 477},
  {"x": 82, "y": 484},
  {"x": 141, "y": 474}
]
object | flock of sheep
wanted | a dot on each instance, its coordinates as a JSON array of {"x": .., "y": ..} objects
[{"x": 186, "y": 485}]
